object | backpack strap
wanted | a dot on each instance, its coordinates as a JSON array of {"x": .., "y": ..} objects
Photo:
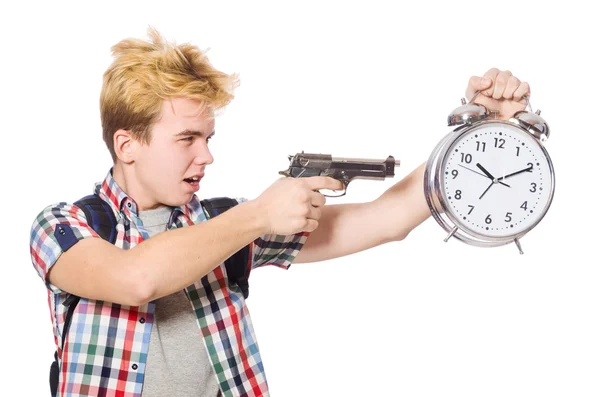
[
  {"x": 238, "y": 265},
  {"x": 101, "y": 218}
]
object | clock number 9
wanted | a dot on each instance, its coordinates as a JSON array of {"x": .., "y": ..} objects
[{"x": 454, "y": 174}]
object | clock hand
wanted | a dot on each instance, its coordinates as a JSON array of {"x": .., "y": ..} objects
[
  {"x": 479, "y": 173},
  {"x": 518, "y": 172},
  {"x": 486, "y": 172},
  {"x": 467, "y": 168},
  {"x": 488, "y": 188}
]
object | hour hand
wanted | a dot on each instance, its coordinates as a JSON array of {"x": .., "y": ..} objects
[
  {"x": 479, "y": 173},
  {"x": 486, "y": 172}
]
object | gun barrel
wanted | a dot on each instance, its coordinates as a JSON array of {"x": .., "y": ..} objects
[
  {"x": 366, "y": 166},
  {"x": 362, "y": 161}
]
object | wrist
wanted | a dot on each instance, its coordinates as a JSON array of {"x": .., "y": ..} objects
[{"x": 258, "y": 216}]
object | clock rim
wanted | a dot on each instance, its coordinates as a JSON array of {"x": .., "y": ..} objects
[{"x": 438, "y": 202}]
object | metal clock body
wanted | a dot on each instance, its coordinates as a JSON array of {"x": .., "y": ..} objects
[{"x": 489, "y": 182}]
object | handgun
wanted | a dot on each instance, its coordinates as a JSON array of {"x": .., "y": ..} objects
[{"x": 345, "y": 170}]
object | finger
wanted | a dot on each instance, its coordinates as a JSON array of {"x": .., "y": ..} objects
[
  {"x": 511, "y": 87},
  {"x": 311, "y": 225},
  {"x": 317, "y": 199},
  {"x": 500, "y": 84},
  {"x": 324, "y": 182},
  {"x": 313, "y": 213},
  {"x": 522, "y": 91},
  {"x": 477, "y": 83},
  {"x": 491, "y": 74}
]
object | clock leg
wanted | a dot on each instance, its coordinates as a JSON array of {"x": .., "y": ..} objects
[
  {"x": 451, "y": 234},
  {"x": 519, "y": 246}
]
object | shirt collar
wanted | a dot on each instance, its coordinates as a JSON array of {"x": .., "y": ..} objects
[{"x": 121, "y": 202}]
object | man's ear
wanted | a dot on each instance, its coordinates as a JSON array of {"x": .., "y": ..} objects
[{"x": 125, "y": 146}]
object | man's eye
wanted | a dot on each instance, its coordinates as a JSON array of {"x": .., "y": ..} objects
[
  {"x": 188, "y": 139},
  {"x": 208, "y": 139}
]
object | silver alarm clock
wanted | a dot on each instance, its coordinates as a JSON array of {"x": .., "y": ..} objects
[{"x": 490, "y": 181}]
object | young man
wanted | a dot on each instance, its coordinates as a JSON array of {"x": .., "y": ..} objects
[{"x": 157, "y": 316}]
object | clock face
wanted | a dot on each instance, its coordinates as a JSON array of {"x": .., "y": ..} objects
[{"x": 497, "y": 180}]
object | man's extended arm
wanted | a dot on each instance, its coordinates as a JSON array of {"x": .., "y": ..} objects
[{"x": 348, "y": 228}]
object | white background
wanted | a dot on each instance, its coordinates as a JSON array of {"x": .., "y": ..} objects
[{"x": 415, "y": 318}]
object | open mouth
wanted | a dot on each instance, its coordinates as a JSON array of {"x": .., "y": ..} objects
[{"x": 194, "y": 181}]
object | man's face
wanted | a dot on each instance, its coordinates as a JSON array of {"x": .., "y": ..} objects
[{"x": 177, "y": 152}]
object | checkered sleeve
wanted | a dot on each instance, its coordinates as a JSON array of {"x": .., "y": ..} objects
[
  {"x": 56, "y": 229},
  {"x": 277, "y": 250},
  {"x": 274, "y": 249}
]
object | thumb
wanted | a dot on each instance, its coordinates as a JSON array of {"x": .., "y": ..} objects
[{"x": 477, "y": 83}]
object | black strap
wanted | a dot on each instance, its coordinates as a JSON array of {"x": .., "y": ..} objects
[
  {"x": 99, "y": 216},
  {"x": 238, "y": 265}
]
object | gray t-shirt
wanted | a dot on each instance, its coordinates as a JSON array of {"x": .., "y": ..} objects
[{"x": 177, "y": 363}]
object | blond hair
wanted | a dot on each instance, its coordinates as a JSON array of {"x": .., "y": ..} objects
[{"x": 144, "y": 73}]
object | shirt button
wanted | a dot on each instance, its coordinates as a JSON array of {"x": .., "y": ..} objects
[
  {"x": 61, "y": 231},
  {"x": 142, "y": 320},
  {"x": 129, "y": 205},
  {"x": 134, "y": 366}
]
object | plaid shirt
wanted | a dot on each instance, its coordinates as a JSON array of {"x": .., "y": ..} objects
[{"x": 107, "y": 345}]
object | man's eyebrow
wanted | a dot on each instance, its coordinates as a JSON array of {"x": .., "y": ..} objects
[{"x": 193, "y": 133}]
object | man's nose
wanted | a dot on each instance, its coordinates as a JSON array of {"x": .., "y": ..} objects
[{"x": 204, "y": 156}]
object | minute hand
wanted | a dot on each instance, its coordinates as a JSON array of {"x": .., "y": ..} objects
[{"x": 515, "y": 173}]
